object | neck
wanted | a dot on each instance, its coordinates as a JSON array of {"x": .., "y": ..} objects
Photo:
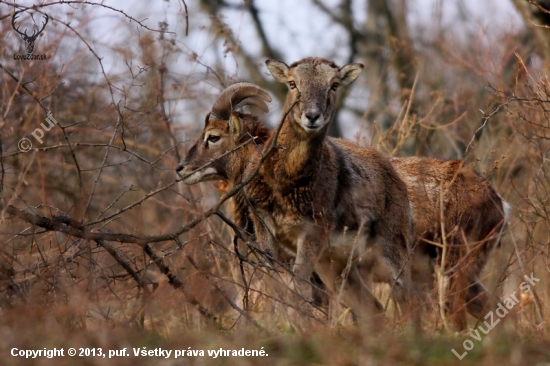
[
  {"x": 241, "y": 159},
  {"x": 301, "y": 151}
]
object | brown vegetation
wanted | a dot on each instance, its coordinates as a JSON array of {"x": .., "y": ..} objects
[{"x": 102, "y": 246}]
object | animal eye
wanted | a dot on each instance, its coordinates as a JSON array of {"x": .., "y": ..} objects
[
  {"x": 213, "y": 138},
  {"x": 292, "y": 84},
  {"x": 335, "y": 86}
]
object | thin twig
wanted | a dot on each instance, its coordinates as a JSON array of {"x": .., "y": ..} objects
[
  {"x": 175, "y": 282},
  {"x": 484, "y": 121},
  {"x": 186, "y": 18},
  {"x": 123, "y": 262},
  {"x": 222, "y": 292},
  {"x": 37, "y": 6}
]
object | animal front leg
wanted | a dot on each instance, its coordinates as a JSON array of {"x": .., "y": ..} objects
[
  {"x": 395, "y": 251},
  {"x": 265, "y": 232},
  {"x": 308, "y": 248}
]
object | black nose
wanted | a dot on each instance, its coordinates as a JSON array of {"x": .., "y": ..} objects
[
  {"x": 312, "y": 117},
  {"x": 179, "y": 168}
]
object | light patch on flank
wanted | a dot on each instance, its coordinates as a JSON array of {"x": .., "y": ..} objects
[
  {"x": 507, "y": 209},
  {"x": 347, "y": 241}
]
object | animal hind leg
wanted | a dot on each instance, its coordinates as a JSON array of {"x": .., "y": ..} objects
[
  {"x": 479, "y": 301},
  {"x": 454, "y": 294}
]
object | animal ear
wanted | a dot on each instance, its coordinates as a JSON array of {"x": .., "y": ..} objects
[
  {"x": 349, "y": 73},
  {"x": 278, "y": 69},
  {"x": 235, "y": 127}
]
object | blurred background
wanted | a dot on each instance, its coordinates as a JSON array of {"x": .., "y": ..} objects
[{"x": 100, "y": 239}]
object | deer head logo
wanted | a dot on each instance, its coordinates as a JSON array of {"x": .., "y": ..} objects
[{"x": 29, "y": 40}]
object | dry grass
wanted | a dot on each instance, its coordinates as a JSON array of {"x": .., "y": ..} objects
[{"x": 102, "y": 247}]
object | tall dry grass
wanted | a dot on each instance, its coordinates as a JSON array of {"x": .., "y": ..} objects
[{"x": 103, "y": 247}]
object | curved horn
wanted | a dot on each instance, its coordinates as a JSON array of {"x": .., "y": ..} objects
[{"x": 237, "y": 96}]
